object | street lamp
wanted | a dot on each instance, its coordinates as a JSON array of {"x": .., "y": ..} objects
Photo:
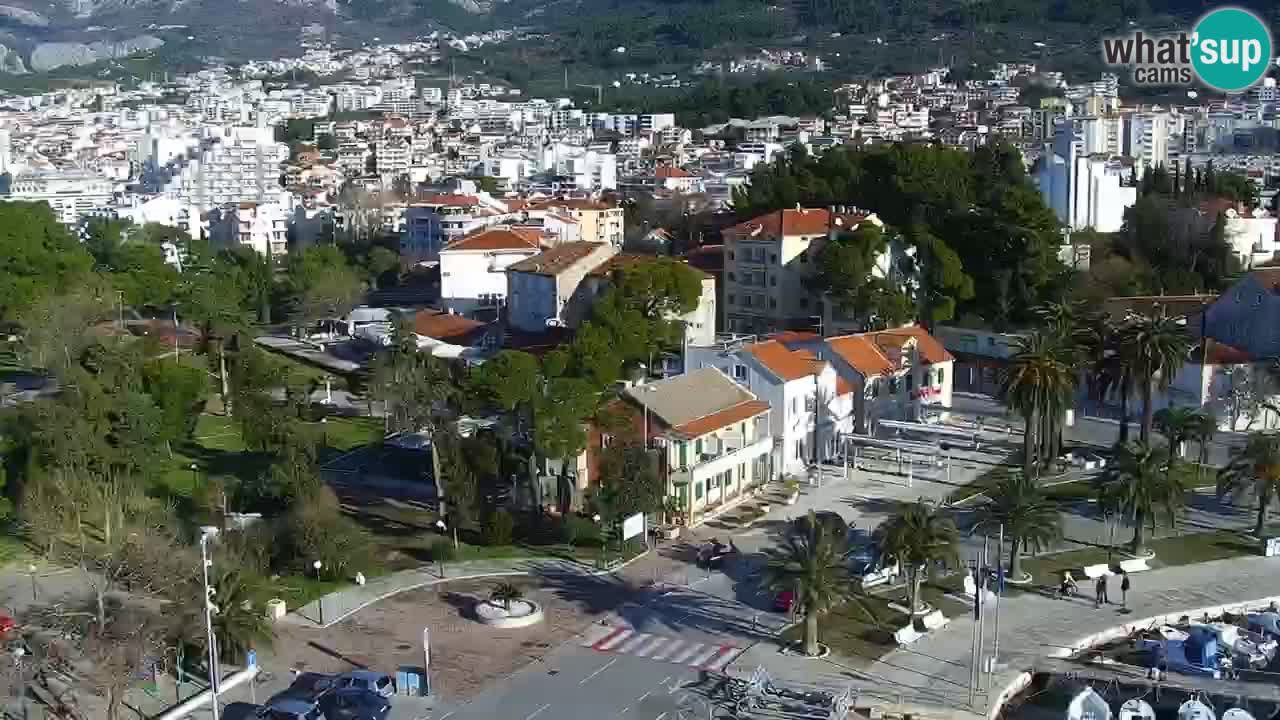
[
  {"x": 205, "y": 564},
  {"x": 320, "y": 600},
  {"x": 32, "y": 569},
  {"x": 440, "y": 525}
]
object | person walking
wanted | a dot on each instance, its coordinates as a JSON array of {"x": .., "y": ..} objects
[
  {"x": 1124, "y": 591},
  {"x": 1100, "y": 591}
]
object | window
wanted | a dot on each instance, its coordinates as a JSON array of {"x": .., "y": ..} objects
[
  {"x": 793, "y": 406},
  {"x": 684, "y": 454},
  {"x": 773, "y": 282},
  {"x": 773, "y": 259},
  {"x": 809, "y": 403},
  {"x": 773, "y": 303},
  {"x": 911, "y": 382},
  {"x": 732, "y": 278},
  {"x": 940, "y": 375},
  {"x": 893, "y": 386},
  {"x": 739, "y": 372},
  {"x": 697, "y": 447},
  {"x": 729, "y": 298},
  {"x": 697, "y": 490}
]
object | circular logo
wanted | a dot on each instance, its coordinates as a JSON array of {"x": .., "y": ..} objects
[{"x": 1231, "y": 49}]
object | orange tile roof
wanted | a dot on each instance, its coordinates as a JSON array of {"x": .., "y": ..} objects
[
  {"x": 931, "y": 351},
  {"x": 444, "y": 326},
  {"x": 715, "y": 421},
  {"x": 499, "y": 238},
  {"x": 557, "y": 259},
  {"x": 786, "y": 364},
  {"x": 789, "y": 336},
  {"x": 1219, "y": 353},
  {"x": 805, "y": 221},
  {"x": 862, "y": 354},
  {"x": 669, "y": 171},
  {"x": 843, "y": 387}
]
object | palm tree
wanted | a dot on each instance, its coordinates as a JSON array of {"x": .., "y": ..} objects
[
  {"x": 1154, "y": 349},
  {"x": 1138, "y": 486},
  {"x": 238, "y": 625},
  {"x": 1038, "y": 384},
  {"x": 1105, "y": 371},
  {"x": 505, "y": 593},
  {"x": 918, "y": 535},
  {"x": 1206, "y": 426},
  {"x": 1177, "y": 423},
  {"x": 1256, "y": 472},
  {"x": 810, "y": 563},
  {"x": 1029, "y": 518}
]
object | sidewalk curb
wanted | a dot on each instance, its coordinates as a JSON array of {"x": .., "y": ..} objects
[{"x": 433, "y": 581}]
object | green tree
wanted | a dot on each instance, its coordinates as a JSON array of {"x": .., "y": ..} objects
[
  {"x": 1178, "y": 424},
  {"x": 179, "y": 391},
  {"x": 505, "y": 593},
  {"x": 810, "y": 563},
  {"x": 845, "y": 266},
  {"x": 137, "y": 269},
  {"x": 1155, "y": 348},
  {"x": 558, "y": 428},
  {"x": 239, "y": 625},
  {"x": 630, "y": 473},
  {"x": 917, "y": 536},
  {"x": 1138, "y": 486},
  {"x": 321, "y": 283},
  {"x": 1020, "y": 506},
  {"x": 37, "y": 256},
  {"x": 1254, "y": 473},
  {"x": 1038, "y": 385}
]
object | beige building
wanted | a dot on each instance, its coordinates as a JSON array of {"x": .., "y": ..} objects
[
  {"x": 769, "y": 264},
  {"x": 597, "y": 221}
]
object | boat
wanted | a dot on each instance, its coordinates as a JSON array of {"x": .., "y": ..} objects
[
  {"x": 1248, "y": 648},
  {"x": 1088, "y": 705},
  {"x": 1195, "y": 709},
  {"x": 1139, "y": 709},
  {"x": 1237, "y": 714}
]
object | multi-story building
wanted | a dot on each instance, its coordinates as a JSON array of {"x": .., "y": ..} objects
[
  {"x": 473, "y": 269},
  {"x": 261, "y": 226},
  {"x": 71, "y": 195},
  {"x": 241, "y": 166},
  {"x": 1085, "y": 188},
  {"x": 699, "y": 323},
  {"x": 769, "y": 264},
  {"x": 597, "y": 221},
  {"x": 544, "y": 291},
  {"x": 435, "y": 221}
]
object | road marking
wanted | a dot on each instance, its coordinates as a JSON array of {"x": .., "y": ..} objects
[
  {"x": 656, "y": 643},
  {"x": 642, "y": 697},
  {"x": 631, "y": 645},
  {"x": 687, "y": 653},
  {"x": 614, "y": 639},
  {"x": 601, "y": 669},
  {"x": 668, "y": 651},
  {"x": 535, "y": 713},
  {"x": 722, "y": 659},
  {"x": 664, "y": 680},
  {"x": 705, "y": 655},
  {"x": 660, "y": 716},
  {"x": 451, "y": 714},
  {"x": 625, "y": 710}
]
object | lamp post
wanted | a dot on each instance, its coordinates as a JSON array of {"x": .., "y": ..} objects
[
  {"x": 32, "y": 570},
  {"x": 320, "y": 600},
  {"x": 205, "y": 564},
  {"x": 443, "y": 528}
]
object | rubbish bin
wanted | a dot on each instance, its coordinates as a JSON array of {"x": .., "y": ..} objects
[{"x": 275, "y": 609}]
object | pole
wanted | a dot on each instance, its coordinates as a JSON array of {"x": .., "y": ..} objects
[
  {"x": 973, "y": 649},
  {"x": 208, "y": 624},
  {"x": 981, "y": 587},
  {"x": 995, "y": 640}
]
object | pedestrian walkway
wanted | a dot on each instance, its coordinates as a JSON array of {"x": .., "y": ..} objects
[
  {"x": 936, "y": 669},
  {"x": 711, "y": 657}
]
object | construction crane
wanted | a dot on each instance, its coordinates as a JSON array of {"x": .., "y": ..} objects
[{"x": 599, "y": 92}]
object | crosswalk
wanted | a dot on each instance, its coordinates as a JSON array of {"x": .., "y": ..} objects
[{"x": 626, "y": 641}]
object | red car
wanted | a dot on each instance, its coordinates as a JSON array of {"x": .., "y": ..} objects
[{"x": 783, "y": 601}]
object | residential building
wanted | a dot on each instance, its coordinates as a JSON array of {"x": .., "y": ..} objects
[
  {"x": 812, "y": 406},
  {"x": 1085, "y": 189},
  {"x": 240, "y": 165},
  {"x": 473, "y": 269},
  {"x": 543, "y": 291},
  {"x": 437, "y": 220},
  {"x": 71, "y": 195},
  {"x": 769, "y": 264},
  {"x": 261, "y": 226},
  {"x": 598, "y": 221},
  {"x": 711, "y": 437},
  {"x": 699, "y": 324}
]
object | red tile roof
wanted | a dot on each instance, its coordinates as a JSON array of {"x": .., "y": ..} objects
[
  {"x": 786, "y": 364},
  {"x": 862, "y": 354},
  {"x": 715, "y": 421},
  {"x": 931, "y": 351},
  {"x": 444, "y": 326},
  {"x": 1217, "y": 353},
  {"x": 805, "y": 221},
  {"x": 669, "y": 171},
  {"x": 557, "y": 259},
  {"x": 843, "y": 387},
  {"x": 499, "y": 238}
]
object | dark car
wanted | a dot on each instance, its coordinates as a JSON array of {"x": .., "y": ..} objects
[{"x": 354, "y": 704}]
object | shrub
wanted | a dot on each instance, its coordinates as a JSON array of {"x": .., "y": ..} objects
[
  {"x": 315, "y": 529},
  {"x": 499, "y": 528},
  {"x": 578, "y": 530}
]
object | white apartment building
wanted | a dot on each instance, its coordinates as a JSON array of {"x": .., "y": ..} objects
[
  {"x": 1147, "y": 138},
  {"x": 473, "y": 269},
  {"x": 543, "y": 291},
  {"x": 241, "y": 164},
  {"x": 1251, "y": 235},
  {"x": 261, "y": 226},
  {"x": 435, "y": 221},
  {"x": 589, "y": 169},
  {"x": 1084, "y": 189},
  {"x": 71, "y": 195}
]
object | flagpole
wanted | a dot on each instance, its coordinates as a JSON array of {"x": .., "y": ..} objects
[{"x": 995, "y": 650}]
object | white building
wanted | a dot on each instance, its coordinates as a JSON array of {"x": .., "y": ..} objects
[
  {"x": 473, "y": 269},
  {"x": 261, "y": 226},
  {"x": 72, "y": 195},
  {"x": 241, "y": 164},
  {"x": 1251, "y": 235},
  {"x": 1085, "y": 190},
  {"x": 543, "y": 291}
]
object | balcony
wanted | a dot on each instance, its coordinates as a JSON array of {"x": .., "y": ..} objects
[{"x": 733, "y": 453}]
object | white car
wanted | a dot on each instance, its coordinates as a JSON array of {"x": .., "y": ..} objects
[
  {"x": 872, "y": 573},
  {"x": 368, "y": 680}
]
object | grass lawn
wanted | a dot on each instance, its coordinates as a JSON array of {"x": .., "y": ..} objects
[
  {"x": 862, "y": 630},
  {"x": 1170, "y": 552}
]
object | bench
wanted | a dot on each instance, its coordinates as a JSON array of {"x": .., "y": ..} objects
[
  {"x": 934, "y": 620},
  {"x": 907, "y": 635},
  {"x": 1134, "y": 565},
  {"x": 1093, "y": 572}
]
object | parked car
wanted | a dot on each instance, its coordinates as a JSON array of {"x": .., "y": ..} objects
[
  {"x": 783, "y": 601},
  {"x": 355, "y": 704},
  {"x": 290, "y": 709},
  {"x": 375, "y": 682}
]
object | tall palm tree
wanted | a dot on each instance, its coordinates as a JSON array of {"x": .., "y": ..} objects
[
  {"x": 918, "y": 536},
  {"x": 1206, "y": 426},
  {"x": 1029, "y": 518},
  {"x": 810, "y": 563},
  {"x": 1255, "y": 472},
  {"x": 1038, "y": 384},
  {"x": 1154, "y": 348},
  {"x": 238, "y": 625},
  {"x": 1177, "y": 424},
  {"x": 1138, "y": 486},
  {"x": 1104, "y": 371}
]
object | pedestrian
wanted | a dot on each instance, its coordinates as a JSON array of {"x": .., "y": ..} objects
[
  {"x": 1124, "y": 590},
  {"x": 1100, "y": 591}
]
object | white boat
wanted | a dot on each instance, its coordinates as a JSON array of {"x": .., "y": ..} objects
[
  {"x": 1139, "y": 709},
  {"x": 1088, "y": 705},
  {"x": 1237, "y": 714},
  {"x": 1195, "y": 710}
]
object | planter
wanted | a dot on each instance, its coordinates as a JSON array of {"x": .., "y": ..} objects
[
  {"x": 671, "y": 533},
  {"x": 793, "y": 498},
  {"x": 523, "y": 613}
]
